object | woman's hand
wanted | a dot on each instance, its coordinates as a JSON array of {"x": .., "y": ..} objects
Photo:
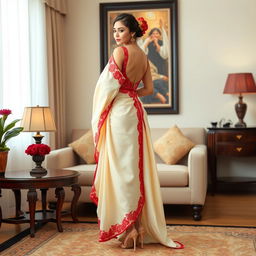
[
  {"x": 155, "y": 40},
  {"x": 165, "y": 78},
  {"x": 148, "y": 40}
]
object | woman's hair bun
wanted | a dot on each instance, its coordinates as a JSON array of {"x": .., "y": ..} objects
[{"x": 137, "y": 26}]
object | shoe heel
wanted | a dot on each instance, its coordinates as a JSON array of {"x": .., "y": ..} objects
[
  {"x": 134, "y": 243},
  {"x": 141, "y": 240},
  {"x": 133, "y": 235},
  {"x": 141, "y": 236}
]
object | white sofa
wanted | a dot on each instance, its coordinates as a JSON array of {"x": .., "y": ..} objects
[{"x": 183, "y": 183}]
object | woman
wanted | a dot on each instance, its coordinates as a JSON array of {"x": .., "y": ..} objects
[
  {"x": 126, "y": 187},
  {"x": 157, "y": 49}
]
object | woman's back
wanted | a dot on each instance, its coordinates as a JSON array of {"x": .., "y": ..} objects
[{"x": 136, "y": 65}]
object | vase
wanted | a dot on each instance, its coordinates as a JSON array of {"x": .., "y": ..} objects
[
  {"x": 3, "y": 161},
  {"x": 38, "y": 159}
]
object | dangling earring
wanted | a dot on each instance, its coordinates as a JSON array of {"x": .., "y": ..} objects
[{"x": 133, "y": 38}]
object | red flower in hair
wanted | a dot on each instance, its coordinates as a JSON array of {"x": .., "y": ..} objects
[{"x": 142, "y": 24}]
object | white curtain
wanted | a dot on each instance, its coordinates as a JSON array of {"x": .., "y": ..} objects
[{"x": 23, "y": 71}]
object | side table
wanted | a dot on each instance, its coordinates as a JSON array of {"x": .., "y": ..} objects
[
  {"x": 17, "y": 180},
  {"x": 235, "y": 142}
]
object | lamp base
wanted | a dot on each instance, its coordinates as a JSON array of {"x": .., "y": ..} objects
[
  {"x": 39, "y": 171},
  {"x": 38, "y": 159},
  {"x": 240, "y": 108},
  {"x": 38, "y": 138},
  {"x": 240, "y": 124}
]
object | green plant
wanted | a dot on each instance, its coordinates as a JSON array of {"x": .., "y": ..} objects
[{"x": 7, "y": 131}]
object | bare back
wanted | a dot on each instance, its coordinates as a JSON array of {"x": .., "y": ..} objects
[{"x": 136, "y": 65}]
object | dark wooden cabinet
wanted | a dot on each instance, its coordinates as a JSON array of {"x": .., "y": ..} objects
[{"x": 235, "y": 142}]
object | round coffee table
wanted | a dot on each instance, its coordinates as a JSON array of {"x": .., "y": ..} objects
[{"x": 17, "y": 180}]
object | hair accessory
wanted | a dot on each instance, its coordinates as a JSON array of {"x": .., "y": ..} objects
[{"x": 142, "y": 24}]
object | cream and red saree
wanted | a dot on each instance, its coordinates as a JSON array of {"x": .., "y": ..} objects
[{"x": 125, "y": 182}]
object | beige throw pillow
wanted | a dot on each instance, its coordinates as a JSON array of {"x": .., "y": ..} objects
[
  {"x": 84, "y": 147},
  {"x": 173, "y": 145}
]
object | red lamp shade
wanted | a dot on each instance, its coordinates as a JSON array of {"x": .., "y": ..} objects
[{"x": 238, "y": 83}]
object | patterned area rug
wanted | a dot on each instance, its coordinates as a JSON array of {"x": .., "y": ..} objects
[{"x": 81, "y": 239}]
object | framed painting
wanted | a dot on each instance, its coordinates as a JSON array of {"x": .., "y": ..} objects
[{"x": 160, "y": 44}]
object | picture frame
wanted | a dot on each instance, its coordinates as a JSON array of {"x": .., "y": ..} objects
[{"x": 162, "y": 19}]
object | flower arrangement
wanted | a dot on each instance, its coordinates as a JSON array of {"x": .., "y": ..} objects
[
  {"x": 142, "y": 24},
  {"x": 38, "y": 149},
  {"x": 7, "y": 131}
]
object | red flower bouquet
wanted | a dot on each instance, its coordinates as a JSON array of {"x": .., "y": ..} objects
[{"x": 38, "y": 149}]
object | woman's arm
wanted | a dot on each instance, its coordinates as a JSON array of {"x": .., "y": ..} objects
[
  {"x": 144, "y": 46},
  {"x": 148, "y": 84},
  {"x": 164, "y": 50}
]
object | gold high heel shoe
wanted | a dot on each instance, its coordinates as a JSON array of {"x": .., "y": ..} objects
[
  {"x": 133, "y": 234},
  {"x": 141, "y": 232}
]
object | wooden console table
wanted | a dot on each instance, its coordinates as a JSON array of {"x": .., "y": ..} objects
[
  {"x": 235, "y": 142},
  {"x": 17, "y": 180}
]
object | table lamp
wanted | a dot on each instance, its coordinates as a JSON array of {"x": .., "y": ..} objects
[
  {"x": 240, "y": 83},
  {"x": 38, "y": 119}
]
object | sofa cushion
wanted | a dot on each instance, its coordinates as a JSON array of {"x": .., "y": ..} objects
[
  {"x": 172, "y": 175},
  {"x": 84, "y": 147},
  {"x": 169, "y": 175},
  {"x": 173, "y": 146}
]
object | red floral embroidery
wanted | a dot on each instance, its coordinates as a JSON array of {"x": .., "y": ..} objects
[
  {"x": 93, "y": 195},
  {"x": 103, "y": 117},
  {"x": 112, "y": 67},
  {"x": 117, "y": 74},
  {"x": 118, "y": 229}
]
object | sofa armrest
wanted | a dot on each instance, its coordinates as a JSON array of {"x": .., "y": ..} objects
[
  {"x": 61, "y": 158},
  {"x": 197, "y": 168}
]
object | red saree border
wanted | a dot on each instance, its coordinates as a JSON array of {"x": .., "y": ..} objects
[{"x": 132, "y": 216}]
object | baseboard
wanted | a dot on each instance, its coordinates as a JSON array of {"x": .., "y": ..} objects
[{"x": 241, "y": 188}]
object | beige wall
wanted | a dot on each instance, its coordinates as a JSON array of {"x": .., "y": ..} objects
[{"x": 216, "y": 37}]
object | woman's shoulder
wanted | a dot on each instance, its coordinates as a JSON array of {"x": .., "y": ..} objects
[
  {"x": 118, "y": 53},
  {"x": 118, "y": 50}
]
